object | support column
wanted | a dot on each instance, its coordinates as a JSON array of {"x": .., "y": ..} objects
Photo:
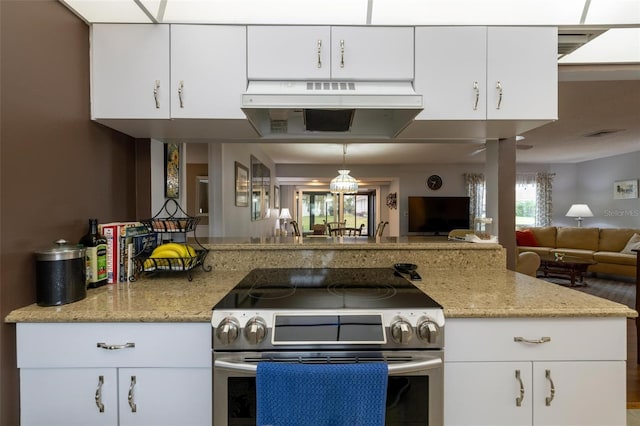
[
  {"x": 216, "y": 191},
  {"x": 500, "y": 174}
]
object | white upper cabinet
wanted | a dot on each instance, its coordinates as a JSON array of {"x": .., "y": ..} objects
[
  {"x": 208, "y": 71},
  {"x": 451, "y": 72},
  {"x": 323, "y": 53},
  {"x": 132, "y": 64},
  {"x": 372, "y": 53},
  {"x": 522, "y": 73},
  {"x": 495, "y": 73},
  {"x": 130, "y": 71},
  {"x": 289, "y": 53}
]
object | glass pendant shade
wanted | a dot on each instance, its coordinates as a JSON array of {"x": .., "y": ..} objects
[{"x": 344, "y": 183}]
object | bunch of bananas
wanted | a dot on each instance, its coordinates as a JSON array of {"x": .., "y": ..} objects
[{"x": 162, "y": 256}]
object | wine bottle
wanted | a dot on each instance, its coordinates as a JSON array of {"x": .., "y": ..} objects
[{"x": 96, "y": 255}]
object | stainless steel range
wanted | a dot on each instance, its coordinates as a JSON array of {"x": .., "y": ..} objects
[{"x": 333, "y": 315}]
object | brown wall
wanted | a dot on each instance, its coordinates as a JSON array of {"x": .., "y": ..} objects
[{"x": 57, "y": 168}]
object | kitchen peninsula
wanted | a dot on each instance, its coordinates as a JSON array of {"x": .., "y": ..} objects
[{"x": 486, "y": 306}]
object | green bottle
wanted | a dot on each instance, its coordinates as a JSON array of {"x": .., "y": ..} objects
[{"x": 96, "y": 255}]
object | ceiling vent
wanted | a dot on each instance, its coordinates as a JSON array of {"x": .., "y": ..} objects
[
  {"x": 603, "y": 132},
  {"x": 570, "y": 39}
]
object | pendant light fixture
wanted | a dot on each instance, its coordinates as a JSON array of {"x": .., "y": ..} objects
[{"x": 344, "y": 183}]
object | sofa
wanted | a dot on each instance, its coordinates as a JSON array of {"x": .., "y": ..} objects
[{"x": 610, "y": 248}]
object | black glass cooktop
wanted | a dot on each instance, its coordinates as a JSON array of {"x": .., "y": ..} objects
[{"x": 325, "y": 288}]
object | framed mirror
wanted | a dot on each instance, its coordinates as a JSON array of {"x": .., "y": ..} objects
[
  {"x": 260, "y": 189},
  {"x": 202, "y": 196}
]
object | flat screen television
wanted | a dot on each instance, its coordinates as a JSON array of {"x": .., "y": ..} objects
[{"x": 438, "y": 215}]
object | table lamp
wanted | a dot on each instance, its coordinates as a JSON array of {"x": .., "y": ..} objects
[
  {"x": 579, "y": 211},
  {"x": 284, "y": 216}
]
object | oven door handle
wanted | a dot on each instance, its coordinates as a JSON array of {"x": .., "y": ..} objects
[{"x": 394, "y": 369}]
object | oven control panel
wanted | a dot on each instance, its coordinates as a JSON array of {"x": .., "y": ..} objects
[{"x": 261, "y": 330}]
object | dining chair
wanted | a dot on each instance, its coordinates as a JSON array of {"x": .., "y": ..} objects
[
  {"x": 296, "y": 228},
  {"x": 380, "y": 228}
]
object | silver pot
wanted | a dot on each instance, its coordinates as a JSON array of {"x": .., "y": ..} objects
[{"x": 60, "y": 274}]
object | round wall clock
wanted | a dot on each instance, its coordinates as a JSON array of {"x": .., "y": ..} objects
[{"x": 434, "y": 182}]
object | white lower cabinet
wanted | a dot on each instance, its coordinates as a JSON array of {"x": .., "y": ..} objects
[
  {"x": 109, "y": 396},
  {"x": 68, "y": 396},
  {"x": 490, "y": 393},
  {"x": 541, "y": 372},
  {"x": 152, "y": 374},
  {"x": 164, "y": 396}
]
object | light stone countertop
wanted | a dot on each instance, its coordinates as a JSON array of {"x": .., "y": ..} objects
[{"x": 477, "y": 294}]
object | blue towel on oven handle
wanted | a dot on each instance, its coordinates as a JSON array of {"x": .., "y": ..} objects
[{"x": 295, "y": 394}]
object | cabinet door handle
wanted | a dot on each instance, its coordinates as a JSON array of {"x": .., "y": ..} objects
[
  {"x": 535, "y": 342},
  {"x": 476, "y": 90},
  {"x": 341, "y": 53},
  {"x": 99, "y": 403},
  {"x": 499, "y": 89},
  {"x": 552, "y": 390},
  {"x": 103, "y": 345},
  {"x": 132, "y": 403},
  {"x": 156, "y": 89},
  {"x": 180, "y": 87},
  {"x": 319, "y": 53},
  {"x": 521, "y": 397}
]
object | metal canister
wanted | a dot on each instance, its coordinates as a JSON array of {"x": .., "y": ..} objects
[{"x": 60, "y": 274}]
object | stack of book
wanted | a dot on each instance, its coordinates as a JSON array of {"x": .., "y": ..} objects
[{"x": 125, "y": 240}]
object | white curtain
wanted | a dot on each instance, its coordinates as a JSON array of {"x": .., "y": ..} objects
[
  {"x": 476, "y": 191},
  {"x": 544, "y": 203}
]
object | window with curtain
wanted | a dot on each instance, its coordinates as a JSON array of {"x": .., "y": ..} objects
[
  {"x": 525, "y": 200},
  {"x": 476, "y": 185},
  {"x": 534, "y": 206}
]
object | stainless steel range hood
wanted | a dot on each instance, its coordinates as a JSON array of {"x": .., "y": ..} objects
[{"x": 330, "y": 109}]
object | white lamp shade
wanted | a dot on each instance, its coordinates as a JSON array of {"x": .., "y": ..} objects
[
  {"x": 579, "y": 210},
  {"x": 344, "y": 183},
  {"x": 285, "y": 213}
]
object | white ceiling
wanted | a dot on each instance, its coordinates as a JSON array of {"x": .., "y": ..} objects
[{"x": 599, "y": 85}]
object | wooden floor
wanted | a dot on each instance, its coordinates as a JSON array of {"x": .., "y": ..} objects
[{"x": 633, "y": 369}]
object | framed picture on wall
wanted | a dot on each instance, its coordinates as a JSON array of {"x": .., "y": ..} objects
[
  {"x": 623, "y": 189},
  {"x": 172, "y": 170},
  {"x": 242, "y": 185}
]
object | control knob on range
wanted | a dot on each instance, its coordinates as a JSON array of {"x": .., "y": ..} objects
[
  {"x": 227, "y": 331},
  {"x": 401, "y": 331},
  {"x": 255, "y": 330},
  {"x": 428, "y": 330}
]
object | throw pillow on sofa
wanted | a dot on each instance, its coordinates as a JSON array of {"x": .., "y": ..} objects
[
  {"x": 526, "y": 238},
  {"x": 633, "y": 244}
]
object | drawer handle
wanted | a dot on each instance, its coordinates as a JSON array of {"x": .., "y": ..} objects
[
  {"x": 552, "y": 390},
  {"x": 499, "y": 89},
  {"x": 103, "y": 345},
  {"x": 521, "y": 397},
  {"x": 99, "y": 403},
  {"x": 535, "y": 342},
  {"x": 132, "y": 404}
]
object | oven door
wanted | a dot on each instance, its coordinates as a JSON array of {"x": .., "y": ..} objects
[{"x": 415, "y": 390}]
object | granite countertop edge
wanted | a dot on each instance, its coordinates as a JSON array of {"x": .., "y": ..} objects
[{"x": 483, "y": 294}]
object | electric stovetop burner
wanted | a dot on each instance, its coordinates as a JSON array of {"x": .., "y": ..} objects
[{"x": 325, "y": 288}]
